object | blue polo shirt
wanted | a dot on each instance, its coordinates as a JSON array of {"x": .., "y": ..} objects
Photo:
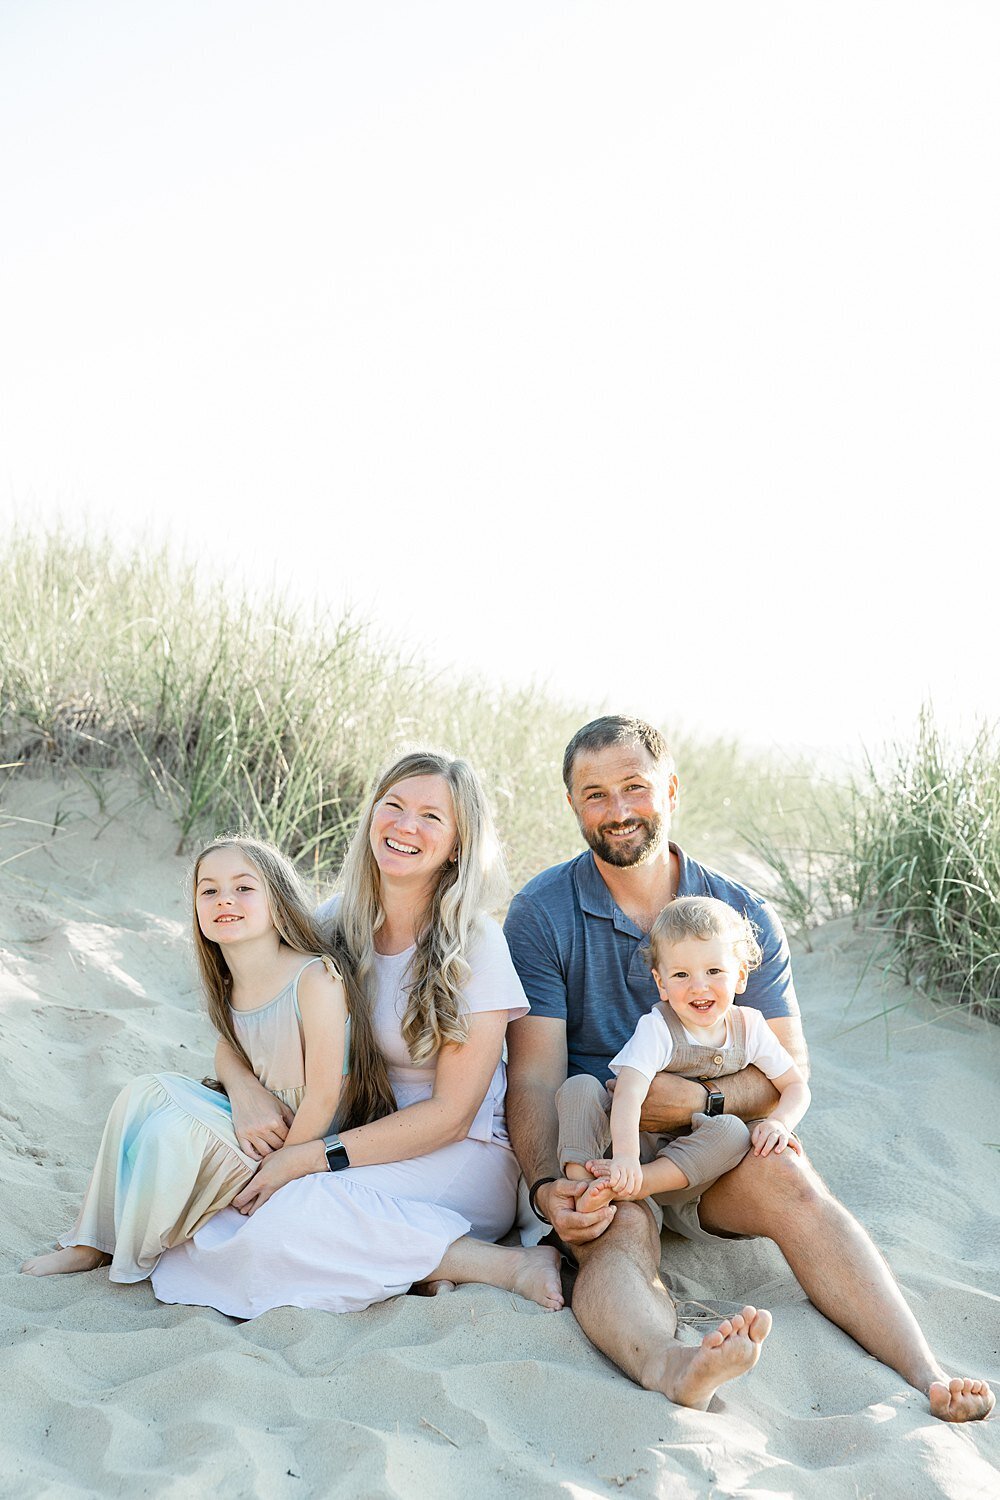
[{"x": 579, "y": 956}]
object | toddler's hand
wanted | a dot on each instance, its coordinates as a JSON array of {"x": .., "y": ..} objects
[
  {"x": 768, "y": 1136},
  {"x": 623, "y": 1172}
]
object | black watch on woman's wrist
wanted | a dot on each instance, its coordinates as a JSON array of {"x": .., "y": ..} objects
[{"x": 336, "y": 1153}]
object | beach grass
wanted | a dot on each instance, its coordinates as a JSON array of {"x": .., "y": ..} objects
[
  {"x": 250, "y": 711},
  {"x": 247, "y": 711},
  {"x": 911, "y": 845}
]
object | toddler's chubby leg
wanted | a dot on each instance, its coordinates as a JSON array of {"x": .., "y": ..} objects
[{"x": 714, "y": 1147}]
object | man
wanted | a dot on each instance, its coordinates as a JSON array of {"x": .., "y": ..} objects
[{"x": 575, "y": 933}]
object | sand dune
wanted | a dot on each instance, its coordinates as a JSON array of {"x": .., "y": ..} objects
[{"x": 108, "y": 1392}]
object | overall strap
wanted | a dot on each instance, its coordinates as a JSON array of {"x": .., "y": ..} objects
[
  {"x": 673, "y": 1025},
  {"x": 699, "y": 1059}
]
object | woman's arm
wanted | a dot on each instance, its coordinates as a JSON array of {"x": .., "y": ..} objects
[
  {"x": 323, "y": 1008},
  {"x": 461, "y": 1079},
  {"x": 259, "y": 1119}
]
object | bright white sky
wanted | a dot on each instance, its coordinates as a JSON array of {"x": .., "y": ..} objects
[{"x": 647, "y": 351}]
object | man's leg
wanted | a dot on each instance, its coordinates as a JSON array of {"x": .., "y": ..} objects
[
  {"x": 840, "y": 1270},
  {"x": 623, "y": 1307}
]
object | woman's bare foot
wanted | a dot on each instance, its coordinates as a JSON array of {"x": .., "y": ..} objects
[
  {"x": 691, "y": 1377},
  {"x": 961, "y": 1400},
  {"x": 65, "y": 1262},
  {"x": 535, "y": 1275}
]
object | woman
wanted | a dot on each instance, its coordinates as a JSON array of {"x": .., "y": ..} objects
[{"x": 363, "y": 1215}]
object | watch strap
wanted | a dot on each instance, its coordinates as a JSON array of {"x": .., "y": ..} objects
[{"x": 337, "y": 1158}]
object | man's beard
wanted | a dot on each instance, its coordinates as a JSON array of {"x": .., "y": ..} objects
[{"x": 636, "y": 851}]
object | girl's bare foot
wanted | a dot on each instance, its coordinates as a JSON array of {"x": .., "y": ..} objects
[
  {"x": 65, "y": 1262},
  {"x": 961, "y": 1400},
  {"x": 691, "y": 1377}
]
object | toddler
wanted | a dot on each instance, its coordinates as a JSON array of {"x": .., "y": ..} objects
[{"x": 701, "y": 952}]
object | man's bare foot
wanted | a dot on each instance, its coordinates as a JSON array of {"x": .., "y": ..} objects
[
  {"x": 961, "y": 1400},
  {"x": 691, "y": 1377},
  {"x": 65, "y": 1262},
  {"x": 536, "y": 1276}
]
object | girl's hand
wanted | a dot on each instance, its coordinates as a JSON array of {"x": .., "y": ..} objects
[
  {"x": 770, "y": 1135},
  {"x": 279, "y": 1168},
  {"x": 259, "y": 1119}
]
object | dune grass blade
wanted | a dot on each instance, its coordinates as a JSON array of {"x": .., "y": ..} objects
[
  {"x": 913, "y": 844},
  {"x": 241, "y": 711}
]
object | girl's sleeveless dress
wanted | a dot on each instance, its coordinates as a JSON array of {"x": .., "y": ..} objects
[
  {"x": 343, "y": 1240},
  {"x": 169, "y": 1158}
]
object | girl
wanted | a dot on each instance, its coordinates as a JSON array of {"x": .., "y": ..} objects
[
  {"x": 701, "y": 952},
  {"x": 170, "y": 1157},
  {"x": 368, "y": 1211}
]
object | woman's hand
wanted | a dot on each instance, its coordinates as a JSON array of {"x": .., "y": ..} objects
[
  {"x": 259, "y": 1119},
  {"x": 279, "y": 1168}
]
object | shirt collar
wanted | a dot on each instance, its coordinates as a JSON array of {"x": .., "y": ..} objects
[{"x": 597, "y": 901}]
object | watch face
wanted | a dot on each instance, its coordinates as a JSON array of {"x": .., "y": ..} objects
[{"x": 716, "y": 1104}]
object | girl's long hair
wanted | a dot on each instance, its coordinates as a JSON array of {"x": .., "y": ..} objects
[
  {"x": 366, "y": 1094},
  {"x": 473, "y": 885}
]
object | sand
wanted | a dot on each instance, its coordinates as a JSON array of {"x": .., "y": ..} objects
[{"x": 108, "y": 1393}]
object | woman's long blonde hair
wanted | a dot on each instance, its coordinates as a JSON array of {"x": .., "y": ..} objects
[
  {"x": 468, "y": 888},
  {"x": 366, "y": 1094}
]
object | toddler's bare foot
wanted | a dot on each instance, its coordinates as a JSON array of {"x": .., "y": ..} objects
[
  {"x": 599, "y": 1194},
  {"x": 690, "y": 1377},
  {"x": 536, "y": 1277},
  {"x": 961, "y": 1400},
  {"x": 432, "y": 1288},
  {"x": 65, "y": 1262}
]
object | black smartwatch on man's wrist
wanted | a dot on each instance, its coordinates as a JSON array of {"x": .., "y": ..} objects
[
  {"x": 336, "y": 1153},
  {"x": 716, "y": 1104}
]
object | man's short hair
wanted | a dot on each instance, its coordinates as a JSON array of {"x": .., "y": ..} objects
[{"x": 616, "y": 729}]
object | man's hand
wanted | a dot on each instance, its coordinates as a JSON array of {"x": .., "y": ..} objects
[
  {"x": 279, "y": 1168},
  {"x": 558, "y": 1201},
  {"x": 259, "y": 1119}
]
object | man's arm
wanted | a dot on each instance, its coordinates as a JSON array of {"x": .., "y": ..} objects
[
  {"x": 672, "y": 1100},
  {"x": 536, "y": 1069}
]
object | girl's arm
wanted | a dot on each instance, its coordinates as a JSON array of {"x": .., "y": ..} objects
[
  {"x": 772, "y": 1134},
  {"x": 259, "y": 1119},
  {"x": 323, "y": 1008},
  {"x": 461, "y": 1079},
  {"x": 623, "y": 1168}
]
